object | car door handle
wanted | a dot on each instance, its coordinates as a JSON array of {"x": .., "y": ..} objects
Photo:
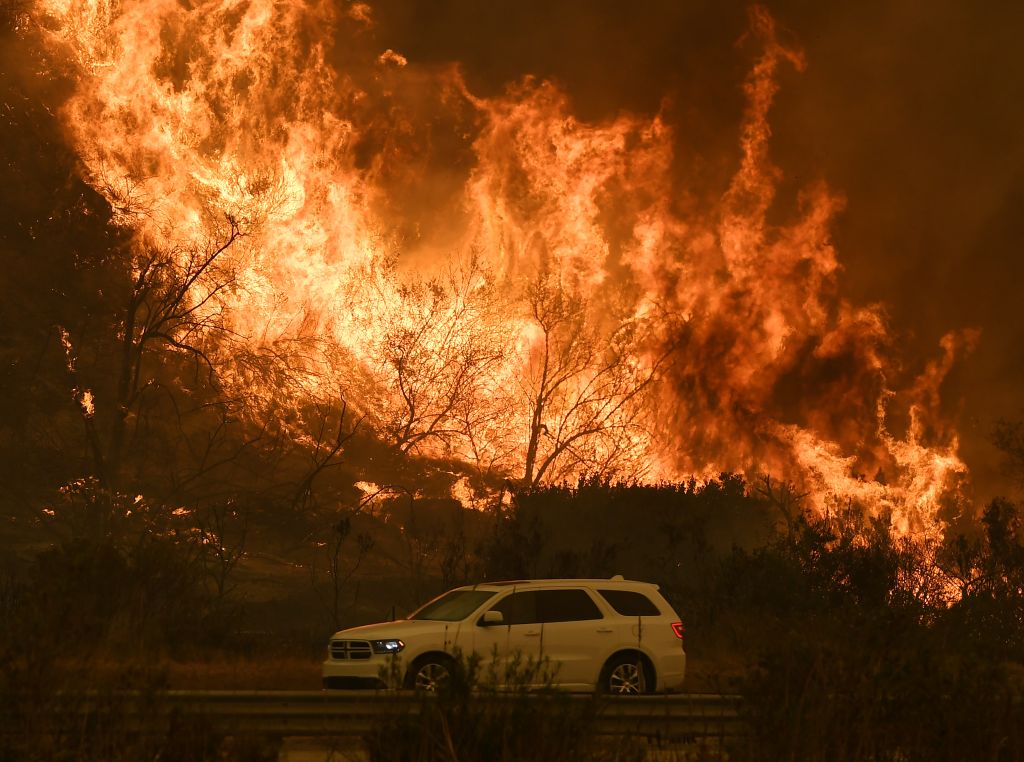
[{"x": 604, "y": 629}]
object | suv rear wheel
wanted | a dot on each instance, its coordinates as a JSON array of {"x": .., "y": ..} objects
[{"x": 627, "y": 675}]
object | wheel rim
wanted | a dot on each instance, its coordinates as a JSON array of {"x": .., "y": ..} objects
[
  {"x": 627, "y": 679},
  {"x": 431, "y": 677}
]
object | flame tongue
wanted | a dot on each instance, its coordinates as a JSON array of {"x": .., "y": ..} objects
[{"x": 185, "y": 113}]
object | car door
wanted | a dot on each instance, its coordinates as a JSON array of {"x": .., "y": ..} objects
[
  {"x": 510, "y": 649},
  {"x": 574, "y": 635}
]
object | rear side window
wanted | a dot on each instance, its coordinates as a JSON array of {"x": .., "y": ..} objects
[
  {"x": 630, "y": 603},
  {"x": 566, "y": 606}
]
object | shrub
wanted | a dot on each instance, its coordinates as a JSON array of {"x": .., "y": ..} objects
[{"x": 497, "y": 713}]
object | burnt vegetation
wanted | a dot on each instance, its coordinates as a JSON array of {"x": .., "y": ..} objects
[{"x": 151, "y": 518}]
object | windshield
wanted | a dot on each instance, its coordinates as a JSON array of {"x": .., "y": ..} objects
[{"x": 454, "y": 606}]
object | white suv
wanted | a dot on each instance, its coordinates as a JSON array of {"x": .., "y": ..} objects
[{"x": 611, "y": 635}]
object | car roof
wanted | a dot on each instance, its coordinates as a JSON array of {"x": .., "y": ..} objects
[{"x": 615, "y": 581}]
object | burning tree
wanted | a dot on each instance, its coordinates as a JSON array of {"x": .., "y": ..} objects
[
  {"x": 566, "y": 398},
  {"x": 582, "y": 387},
  {"x": 437, "y": 345}
]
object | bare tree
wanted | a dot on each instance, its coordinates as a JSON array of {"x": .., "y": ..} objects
[
  {"x": 172, "y": 305},
  {"x": 223, "y": 531},
  {"x": 340, "y": 567},
  {"x": 582, "y": 387},
  {"x": 437, "y": 353},
  {"x": 784, "y": 498},
  {"x": 328, "y": 442}
]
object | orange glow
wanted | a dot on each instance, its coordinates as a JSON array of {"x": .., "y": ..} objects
[{"x": 749, "y": 357}]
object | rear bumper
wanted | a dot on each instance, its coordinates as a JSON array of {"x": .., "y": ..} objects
[{"x": 671, "y": 672}]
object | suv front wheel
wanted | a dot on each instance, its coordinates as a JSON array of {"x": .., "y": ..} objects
[
  {"x": 627, "y": 675},
  {"x": 429, "y": 673}
]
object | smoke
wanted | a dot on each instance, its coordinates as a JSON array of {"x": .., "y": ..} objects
[{"x": 914, "y": 114}]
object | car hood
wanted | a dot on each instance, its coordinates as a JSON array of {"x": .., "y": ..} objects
[{"x": 400, "y": 628}]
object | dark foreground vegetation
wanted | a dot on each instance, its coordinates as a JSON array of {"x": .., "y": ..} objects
[
  {"x": 490, "y": 713},
  {"x": 845, "y": 642}
]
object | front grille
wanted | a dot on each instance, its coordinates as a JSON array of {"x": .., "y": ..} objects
[{"x": 350, "y": 649}]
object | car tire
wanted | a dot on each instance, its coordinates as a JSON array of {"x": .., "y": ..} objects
[
  {"x": 429, "y": 673},
  {"x": 627, "y": 675}
]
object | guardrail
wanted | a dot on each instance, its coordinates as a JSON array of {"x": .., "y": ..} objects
[{"x": 354, "y": 713}]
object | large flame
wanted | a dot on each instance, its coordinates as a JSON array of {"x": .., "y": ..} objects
[{"x": 419, "y": 236}]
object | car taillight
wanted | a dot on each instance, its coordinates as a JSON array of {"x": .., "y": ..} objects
[{"x": 677, "y": 628}]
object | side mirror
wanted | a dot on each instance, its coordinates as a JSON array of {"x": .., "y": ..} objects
[{"x": 491, "y": 618}]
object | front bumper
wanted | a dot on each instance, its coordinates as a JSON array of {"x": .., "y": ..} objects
[{"x": 345, "y": 674}]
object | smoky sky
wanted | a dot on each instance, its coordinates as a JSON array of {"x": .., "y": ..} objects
[{"x": 913, "y": 111}]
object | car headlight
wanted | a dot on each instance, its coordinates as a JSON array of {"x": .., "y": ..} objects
[{"x": 387, "y": 646}]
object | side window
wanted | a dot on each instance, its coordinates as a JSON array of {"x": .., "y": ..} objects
[
  {"x": 566, "y": 606},
  {"x": 518, "y": 608},
  {"x": 630, "y": 603}
]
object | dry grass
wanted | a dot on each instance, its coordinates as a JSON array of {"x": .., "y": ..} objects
[
  {"x": 279, "y": 673},
  {"x": 269, "y": 673}
]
